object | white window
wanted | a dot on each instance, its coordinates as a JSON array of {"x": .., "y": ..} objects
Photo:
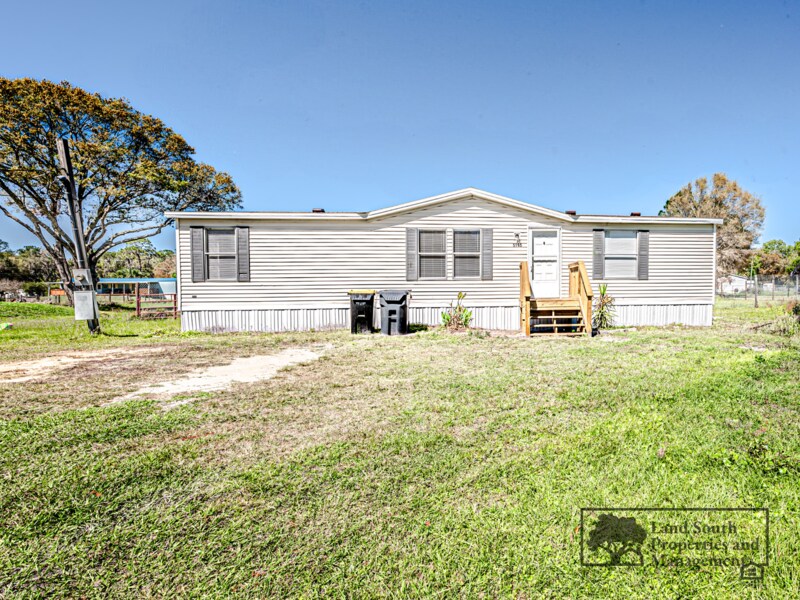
[
  {"x": 467, "y": 254},
  {"x": 432, "y": 254},
  {"x": 621, "y": 254},
  {"x": 221, "y": 254}
]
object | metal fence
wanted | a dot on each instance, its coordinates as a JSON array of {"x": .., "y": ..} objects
[
  {"x": 769, "y": 288},
  {"x": 156, "y": 306}
]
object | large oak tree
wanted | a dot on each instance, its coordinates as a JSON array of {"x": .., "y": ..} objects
[
  {"x": 129, "y": 169},
  {"x": 742, "y": 214}
]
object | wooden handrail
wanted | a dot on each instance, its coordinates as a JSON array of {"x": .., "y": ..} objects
[
  {"x": 525, "y": 293},
  {"x": 580, "y": 288},
  {"x": 525, "y": 290}
]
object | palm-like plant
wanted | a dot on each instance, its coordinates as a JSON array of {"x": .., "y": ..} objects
[{"x": 603, "y": 313}]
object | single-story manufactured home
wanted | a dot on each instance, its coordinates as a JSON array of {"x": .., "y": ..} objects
[
  {"x": 282, "y": 271},
  {"x": 733, "y": 284},
  {"x": 126, "y": 286}
]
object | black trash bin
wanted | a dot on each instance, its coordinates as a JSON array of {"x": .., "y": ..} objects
[
  {"x": 362, "y": 303},
  {"x": 394, "y": 311}
]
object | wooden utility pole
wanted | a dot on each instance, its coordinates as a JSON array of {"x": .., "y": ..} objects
[
  {"x": 755, "y": 289},
  {"x": 82, "y": 282}
]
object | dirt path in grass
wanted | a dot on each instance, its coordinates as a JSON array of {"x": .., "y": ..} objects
[
  {"x": 30, "y": 370},
  {"x": 219, "y": 377}
]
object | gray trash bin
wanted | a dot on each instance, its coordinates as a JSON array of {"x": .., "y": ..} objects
[
  {"x": 394, "y": 311},
  {"x": 361, "y": 305}
]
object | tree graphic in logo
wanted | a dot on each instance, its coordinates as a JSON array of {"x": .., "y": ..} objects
[{"x": 620, "y": 537}]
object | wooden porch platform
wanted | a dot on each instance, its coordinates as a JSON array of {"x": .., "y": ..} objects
[{"x": 570, "y": 316}]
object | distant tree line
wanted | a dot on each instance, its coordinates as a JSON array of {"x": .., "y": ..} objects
[
  {"x": 777, "y": 258},
  {"x": 28, "y": 263},
  {"x": 136, "y": 259}
]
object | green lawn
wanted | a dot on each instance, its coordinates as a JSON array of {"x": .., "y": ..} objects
[{"x": 432, "y": 465}]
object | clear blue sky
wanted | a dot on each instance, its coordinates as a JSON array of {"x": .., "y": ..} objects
[{"x": 592, "y": 106}]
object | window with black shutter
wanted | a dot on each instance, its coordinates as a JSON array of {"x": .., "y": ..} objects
[
  {"x": 620, "y": 254},
  {"x": 432, "y": 254},
  {"x": 220, "y": 249},
  {"x": 467, "y": 254}
]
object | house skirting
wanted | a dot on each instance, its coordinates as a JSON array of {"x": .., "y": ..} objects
[
  {"x": 698, "y": 315},
  {"x": 323, "y": 318},
  {"x": 484, "y": 317}
]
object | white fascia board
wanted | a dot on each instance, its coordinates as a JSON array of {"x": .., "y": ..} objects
[
  {"x": 268, "y": 216},
  {"x": 646, "y": 220},
  {"x": 431, "y": 201}
]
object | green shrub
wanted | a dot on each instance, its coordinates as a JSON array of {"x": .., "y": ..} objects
[
  {"x": 457, "y": 316},
  {"x": 34, "y": 288}
]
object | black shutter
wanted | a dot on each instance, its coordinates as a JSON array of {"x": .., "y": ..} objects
[
  {"x": 412, "y": 244},
  {"x": 487, "y": 250},
  {"x": 197, "y": 249},
  {"x": 598, "y": 253},
  {"x": 243, "y": 254},
  {"x": 644, "y": 255}
]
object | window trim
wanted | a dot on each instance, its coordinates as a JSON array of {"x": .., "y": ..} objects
[
  {"x": 420, "y": 254},
  {"x": 235, "y": 255},
  {"x": 478, "y": 254},
  {"x": 634, "y": 256}
]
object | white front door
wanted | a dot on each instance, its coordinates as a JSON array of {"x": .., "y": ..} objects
[{"x": 545, "y": 260}]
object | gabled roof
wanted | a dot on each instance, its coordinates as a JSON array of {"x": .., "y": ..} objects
[{"x": 432, "y": 201}]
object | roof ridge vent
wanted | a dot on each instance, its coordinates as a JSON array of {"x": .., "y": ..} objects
[
  {"x": 636, "y": 214},
  {"x": 317, "y": 210}
]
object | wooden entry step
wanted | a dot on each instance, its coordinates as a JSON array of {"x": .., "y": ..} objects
[
  {"x": 564, "y": 304},
  {"x": 557, "y": 316}
]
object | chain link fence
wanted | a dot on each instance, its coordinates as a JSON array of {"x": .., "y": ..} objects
[{"x": 769, "y": 288}]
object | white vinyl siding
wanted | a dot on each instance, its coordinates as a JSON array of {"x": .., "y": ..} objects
[
  {"x": 681, "y": 265},
  {"x": 310, "y": 264},
  {"x": 466, "y": 254},
  {"x": 221, "y": 254},
  {"x": 621, "y": 250},
  {"x": 432, "y": 254}
]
